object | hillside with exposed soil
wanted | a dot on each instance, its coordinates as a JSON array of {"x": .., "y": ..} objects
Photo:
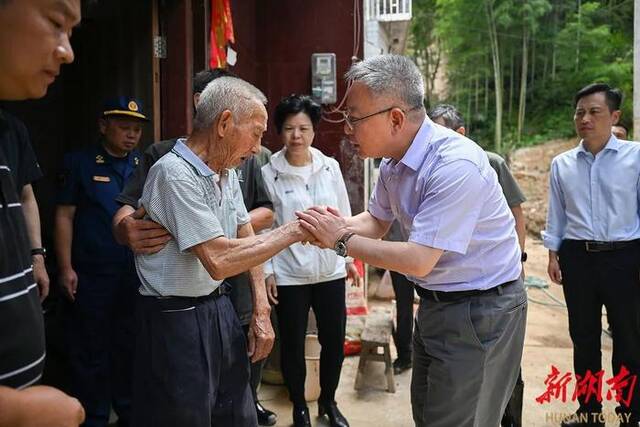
[{"x": 530, "y": 166}]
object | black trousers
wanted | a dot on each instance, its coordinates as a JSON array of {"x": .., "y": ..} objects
[
  {"x": 100, "y": 330},
  {"x": 403, "y": 334},
  {"x": 328, "y": 302},
  {"x": 591, "y": 280},
  {"x": 512, "y": 416},
  {"x": 191, "y": 365}
]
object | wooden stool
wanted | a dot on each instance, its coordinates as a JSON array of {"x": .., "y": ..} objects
[{"x": 377, "y": 334}]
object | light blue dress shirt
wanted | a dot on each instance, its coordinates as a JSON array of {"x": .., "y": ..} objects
[
  {"x": 594, "y": 197},
  {"x": 445, "y": 195}
]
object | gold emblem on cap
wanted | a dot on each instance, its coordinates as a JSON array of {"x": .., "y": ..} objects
[
  {"x": 99, "y": 158},
  {"x": 132, "y": 106}
]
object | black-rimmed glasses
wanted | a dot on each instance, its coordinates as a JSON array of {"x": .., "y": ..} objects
[{"x": 351, "y": 121}]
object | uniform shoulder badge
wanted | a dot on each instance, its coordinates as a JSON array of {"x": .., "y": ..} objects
[{"x": 99, "y": 159}]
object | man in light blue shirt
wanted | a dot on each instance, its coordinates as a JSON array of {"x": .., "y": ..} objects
[
  {"x": 592, "y": 235},
  {"x": 462, "y": 249}
]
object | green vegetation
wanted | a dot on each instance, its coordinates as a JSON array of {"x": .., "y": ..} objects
[{"x": 513, "y": 66}]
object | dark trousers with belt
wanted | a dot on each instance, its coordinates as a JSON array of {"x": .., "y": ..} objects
[
  {"x": 402, "y": 336},
  {"x": 593, "y": 278},
  {"x": 99, "y": 332},
  {"x": 328, "y": 302},
  {"x": 191, "y": 364}
]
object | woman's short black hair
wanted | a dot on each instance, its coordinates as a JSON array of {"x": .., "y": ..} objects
[{"x": 294, "y": 104}]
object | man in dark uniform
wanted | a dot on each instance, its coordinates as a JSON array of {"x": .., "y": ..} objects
[{"x": 96, "y": 273}]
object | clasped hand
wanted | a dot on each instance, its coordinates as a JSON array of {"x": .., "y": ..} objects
[{"x": 324, "y": 224}]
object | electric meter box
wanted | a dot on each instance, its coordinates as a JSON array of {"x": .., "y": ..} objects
[{"x": 324, "y": 88}]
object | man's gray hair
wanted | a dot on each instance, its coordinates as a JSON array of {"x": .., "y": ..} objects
[
  {"x": 394, "y": 76},
  {"x": 226, "y": 93}
]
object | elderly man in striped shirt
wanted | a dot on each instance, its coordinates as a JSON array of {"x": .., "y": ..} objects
[{"x": 191, "y": 364}]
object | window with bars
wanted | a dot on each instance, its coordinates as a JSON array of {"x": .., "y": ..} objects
[{"x": 389, "y": 10}]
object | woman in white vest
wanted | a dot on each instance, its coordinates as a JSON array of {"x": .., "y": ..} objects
[{"x": 303, "y": 276}]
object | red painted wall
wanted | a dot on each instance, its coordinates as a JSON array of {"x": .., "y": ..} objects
[{"x": 275, "y": 40}]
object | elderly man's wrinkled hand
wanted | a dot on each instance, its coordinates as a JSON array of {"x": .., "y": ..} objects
[
  {"x": 324, "y": 223},
  {"x": 302, "y": 235},
  {"x": 261, "y": 335},
  {"x": 141, "y": 235}
]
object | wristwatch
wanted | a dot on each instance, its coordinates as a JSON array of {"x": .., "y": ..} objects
[
  {"x": 39, "y": 251},
  {"x": 341, "y": 244},
  {"x": 524, "y": 257}
]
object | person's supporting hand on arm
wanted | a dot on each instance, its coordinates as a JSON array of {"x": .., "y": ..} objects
[
  {"x": 141, "y": 235},
  {"x": 39, "y": 406},
  {"x": 32, "y": 217}
]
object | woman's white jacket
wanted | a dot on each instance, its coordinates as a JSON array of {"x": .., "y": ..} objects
[{"x": 304, "y": 264}]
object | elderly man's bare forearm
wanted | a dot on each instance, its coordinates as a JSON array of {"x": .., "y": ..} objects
[
  {"x": 224, "y": 257},
  {"x": 256, "y": 276}
]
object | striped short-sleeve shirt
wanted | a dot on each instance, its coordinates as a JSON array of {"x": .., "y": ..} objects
[
  {"x": 22, "y": 349},
  {"x": 195, "y": 205}
]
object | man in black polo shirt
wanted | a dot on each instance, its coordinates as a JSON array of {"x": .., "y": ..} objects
[
  {"x": 34, "y": 43},
  {"x": 25, "y": 169}
]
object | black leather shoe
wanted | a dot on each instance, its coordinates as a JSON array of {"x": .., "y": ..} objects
[
  {"x": 401, "y": 365},
  {"x": 265, "y": 416},
  {"x": 336, "y": 419},
  {"x": 301, "y": 416},
  {"x": 588, "y": 419}
]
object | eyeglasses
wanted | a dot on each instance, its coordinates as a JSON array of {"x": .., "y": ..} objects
[{"x": 351, "y": 121}]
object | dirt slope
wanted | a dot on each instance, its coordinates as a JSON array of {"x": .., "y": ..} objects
[{"x": 530, "y": 166}]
